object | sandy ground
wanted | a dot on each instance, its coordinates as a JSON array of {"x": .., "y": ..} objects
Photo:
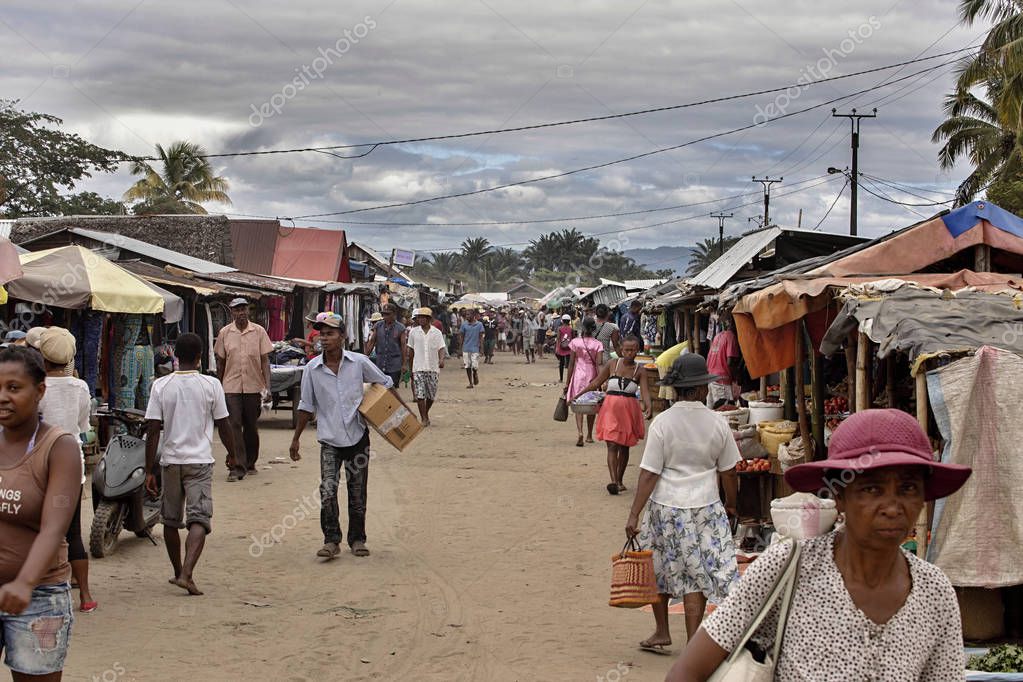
[{"x": 491, "y": 538}]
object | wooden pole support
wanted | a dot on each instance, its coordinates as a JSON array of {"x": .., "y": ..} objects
[
  {"x": 921, "y": 417},
  {"x": 850, "y": 368},
  {"x": 862, "y": 382},
  {"x": 804, "y": 425}
]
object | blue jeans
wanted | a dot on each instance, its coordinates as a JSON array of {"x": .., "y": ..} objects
[
  {"x": 355, "y": 460},
  {"x": 35, "y": 641}
]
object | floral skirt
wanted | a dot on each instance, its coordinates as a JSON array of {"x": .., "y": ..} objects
[{"x": 693, "y": 550}]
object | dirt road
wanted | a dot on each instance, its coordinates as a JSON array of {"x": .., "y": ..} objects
[{"x": 491, "y": 538}]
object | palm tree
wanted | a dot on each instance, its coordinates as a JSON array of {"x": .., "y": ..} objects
[
  {"x": 1001, "y": 53},
  {"x": 706, "y": 252},
  {"x": 542, "y": 252},
  {"x": 974, "y": 129},
  {"x": 474, "y": 257},
  {"x": 186, "y": 180}
]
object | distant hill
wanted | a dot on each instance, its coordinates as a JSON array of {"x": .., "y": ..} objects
[{"x": 674, "y": 257}]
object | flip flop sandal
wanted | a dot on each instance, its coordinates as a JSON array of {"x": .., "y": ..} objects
[
  {"x": 89, "y": 607},
  {"x": 660, "y": 649}
]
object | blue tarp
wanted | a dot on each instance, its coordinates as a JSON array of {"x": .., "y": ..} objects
[{"x": 966, "y": 218}]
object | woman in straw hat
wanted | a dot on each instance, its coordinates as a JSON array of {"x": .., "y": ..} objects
[
  {"x": 689, "y": 449},
  {"x": 864, "y": 608}
]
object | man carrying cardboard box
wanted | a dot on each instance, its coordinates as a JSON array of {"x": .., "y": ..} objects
[{"x": 332, "y": 388}]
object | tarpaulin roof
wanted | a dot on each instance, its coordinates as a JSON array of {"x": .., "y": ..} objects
[
  {"x": 312, "y": 254},
  {"x": 765, "y": 320},
  {"x": 925, "y": 244},
  {"x": 922, "y": 322},
  {"x": 10, "y": 265},
  {"x": 75, "y": 277}
]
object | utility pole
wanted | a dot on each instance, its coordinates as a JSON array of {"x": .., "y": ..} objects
[
  {"x": 767, "y": 182},
  {"x": 854, "y": 124},
  {"x": 721, "y": 230}
]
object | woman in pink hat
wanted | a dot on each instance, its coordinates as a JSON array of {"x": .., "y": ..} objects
[{"x": 863, "y": 608}]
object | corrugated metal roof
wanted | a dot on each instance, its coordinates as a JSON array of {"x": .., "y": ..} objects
[
  {"x": 717, "y": 274},
  {"x": 151, "y": 251},
  {"x": 643, "y": 284},
  {"x": 248, "y": 279}
]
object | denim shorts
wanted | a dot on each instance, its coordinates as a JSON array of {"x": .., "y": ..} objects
[{"x": 35, "y": 641}]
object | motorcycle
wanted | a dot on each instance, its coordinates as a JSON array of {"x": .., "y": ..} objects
[{"x": 119, "y": 496}]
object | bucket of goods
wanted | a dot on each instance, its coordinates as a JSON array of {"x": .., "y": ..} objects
[
  {"x": 587, "y": 403},
  {"x": 775, "y": 432},
  {"x": 765, "y": 410},
  {"x": 803, "y": 515},
  {"x": 737, "y": 416}
]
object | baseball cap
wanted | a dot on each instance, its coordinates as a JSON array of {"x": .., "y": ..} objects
[
  {"x": 235, "y": 302},
  {"x": 328, "y": 319}
]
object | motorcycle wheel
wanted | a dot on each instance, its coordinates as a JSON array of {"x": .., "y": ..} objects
[{"x": 106, "y": 526}]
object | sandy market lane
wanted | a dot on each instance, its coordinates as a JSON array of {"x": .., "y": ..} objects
[{"x": 491, "y": 538}]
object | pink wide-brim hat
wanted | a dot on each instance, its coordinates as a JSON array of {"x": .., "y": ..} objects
[{"x": 873, "y": 439}]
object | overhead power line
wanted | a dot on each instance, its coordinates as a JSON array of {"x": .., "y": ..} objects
[
  {"x": 833, "y": 203},
  {"x": 592, "y": 119},
  {"x": 565, "y": 219},
  {"x": 606, "y": 164}
]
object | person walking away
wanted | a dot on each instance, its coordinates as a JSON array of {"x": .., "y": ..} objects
[
  {"x": 67, "y": 405},
  {"x": 502, "y": 331},
  {"x": 471, "y": 334},
  {"x": 690, "y": 451},
  {"x": 186, "y": 405},
  {"x": 243, "y": 350},
  {"x": 332, "y": 388},
  {"x": 426, "y": 357},
  {"x": 582, "y": 368},
  {"x": 40, "y": 474},
  {"x": 529, "y": 337},
  {"x": 878, "y": 611},
  {"x": 541, "y": 330},
  {"x": 565, "y": 333},
  {"x": 489, "y": 339},
  {"x": 632, "y": 322},
  {"x": 723, "y": 360},
  {"x": 607, "y": 332},
  {"x": 620, "y": 420},
  {"x": 389, "y": 339},
  {"x": 453, "y": 327}
]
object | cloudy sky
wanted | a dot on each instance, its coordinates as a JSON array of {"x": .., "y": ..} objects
[{"x": 242, "y": 76}]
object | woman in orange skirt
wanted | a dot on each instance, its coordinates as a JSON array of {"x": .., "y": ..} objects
[{"x": 620, "y": 420}]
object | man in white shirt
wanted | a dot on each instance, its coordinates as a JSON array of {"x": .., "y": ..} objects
[
  {"x": 426, "y": 357},
  {"x": 186, "y": 405}
]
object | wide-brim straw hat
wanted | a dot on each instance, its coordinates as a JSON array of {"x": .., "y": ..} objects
[
  {"x": 688, "y": 371},
  {"x": 873, "y": 439}
]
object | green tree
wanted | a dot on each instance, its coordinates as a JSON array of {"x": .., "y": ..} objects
[
  {"x": 87, "y": 203},
  {"x": 443, "y": 266},
  {"x": 38, "y": 161},
  {"x": 973, "y": 129},
  {"x": 186, "y": 180},
  {"x": 706, "y": 252},
  {"x": 1000, "y": 57},
  {"x": 474, "y": 258}
]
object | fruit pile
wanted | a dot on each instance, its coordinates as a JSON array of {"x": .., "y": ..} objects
[
  {"x": 837, "y": 405},
  {"x": 753, "y": 465}
]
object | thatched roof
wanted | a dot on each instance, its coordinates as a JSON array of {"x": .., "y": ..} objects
[{"x": 202, "y": 236}]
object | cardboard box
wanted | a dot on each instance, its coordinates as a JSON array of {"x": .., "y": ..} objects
[{"x": 389, "y": 416}]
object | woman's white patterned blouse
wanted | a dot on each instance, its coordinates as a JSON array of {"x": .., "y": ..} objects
[{"x": 828, "y": 638}]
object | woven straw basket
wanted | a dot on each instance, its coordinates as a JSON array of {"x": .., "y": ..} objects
[{"x": 633, "y": 583}]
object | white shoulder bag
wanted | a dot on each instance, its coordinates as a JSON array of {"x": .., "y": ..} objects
[{"x": 740, "y": 666}]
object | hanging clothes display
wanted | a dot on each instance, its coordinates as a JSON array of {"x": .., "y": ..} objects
[
  {"x": 351, "y": 317},
  {"x": 275, "y": 319},
  {"x": 135, "y": 378},
  {"x": 88, "y": 332}
]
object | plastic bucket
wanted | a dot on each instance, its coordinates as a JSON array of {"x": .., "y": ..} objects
[
  {"x": 775, "y": 433},
  {"x": 760, "y": 411}
]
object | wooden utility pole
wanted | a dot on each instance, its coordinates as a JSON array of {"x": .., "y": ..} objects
[
  {"x": 767, "y": 182},
  {"x": 721, "y": 230},
  {"x": 854, "y": 121}
]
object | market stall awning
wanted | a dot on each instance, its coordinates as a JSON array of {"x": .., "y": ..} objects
[
  {"x": 922, "y": 322},
  {"x": 75, "y": 277},
  {"x": 173, "y": 305},
  {"x": 765, "y": 320},
  {"x": 10, "y": 264}
]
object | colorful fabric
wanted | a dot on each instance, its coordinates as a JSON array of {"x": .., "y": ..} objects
[
  {"x": 136, "y": 377},
  {"x": 723, "y": 347},
  {"x": 693, "y": 550},
  {"x": 88, "y": 331},
  {"x": 424, "y": 385},
  {"x": 588, "y": 355},
  {"x": 620, "y": 421}
]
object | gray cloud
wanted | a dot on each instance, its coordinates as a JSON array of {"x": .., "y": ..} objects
[{"x": 129, "y": 78}]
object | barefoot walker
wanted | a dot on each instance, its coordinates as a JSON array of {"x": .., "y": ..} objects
[
  {"x": 186, "y": 405},
  {"x": 332, "y": 388}
]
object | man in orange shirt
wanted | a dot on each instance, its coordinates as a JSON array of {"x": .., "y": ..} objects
[{"x": 243, "y": 365}]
